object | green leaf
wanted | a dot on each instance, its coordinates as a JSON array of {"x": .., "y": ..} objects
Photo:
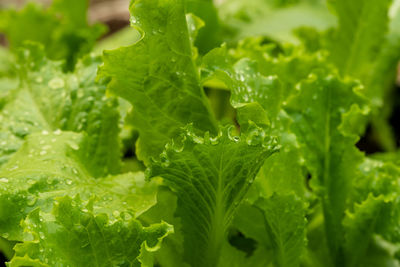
[
  {"x": 289, "y": 63},
  {"x": 50, "y": 100},
  {"x": 360, "y": 34},
  {"x": 256, "y": 97},
  {"x": 71, "y": 229},
  {"x": 93, "y": 214},
  {"x": 360, "y": 226},
  {"x": 6, "y": 63},
  {"x": 283, "y": 172},
  {"x": 260, "y": 99},
  {"x": 171, "y": 252},
  {"x": 53, "y": 164},
  {"x": 211, "y": 177},
  {"x": 375, "y": 208},
  {"x": 158, "y": 76},
  {"x": 286, "y": 224},
  {"x": 267, "y": 18},
  {"x": 325, "y": 113},
  {"x": 379, "y": 182},
  {"x": 64, "y": 30},
  {"x": 209, "y": 36}
]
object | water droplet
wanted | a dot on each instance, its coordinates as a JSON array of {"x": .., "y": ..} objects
[
  {"x": 13, "y": 168},
  {"x": 116, "y": 213},
  {"x": 56, "y": 83},
  {"x": 80, "y": 94},
  {"x": 133, "y": 20},
  {"x": 3, "y": 180},
  {"x": 74, "y": 146},
  {"x": 214, "y": 140},
  {"x": 69, "y": 182},
  {"x": 164, "y": 159},
  {"x": 127, "y": 216},
  {"x": 31, "y": 200},
  {"x": 41, "y": 235}
]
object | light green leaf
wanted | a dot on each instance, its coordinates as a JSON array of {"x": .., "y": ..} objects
[
  {"x": 249, "y": 221},
  {"x": 51, "y": 165},
  {"x": 360, "y": 34},
  {"x": 268, "y": 18},
  {"x": 374, "y": 210},
  {"x": 247, "y": 86},
  {"x": 64, "y": 30},
  {"x": 211, "y": 177},
  {"x": 380, "y": 181},
  {"x": 325, "y": 112},
  {"x": 289, "y": 63},
  {"x": 209, "y": 36},
  {"x": 260, "y": 99},
  {"x": 48, "y": 186},
  {"x": 286, "y": 224},
  {"x": 359, "y": 227},
  {"x": 50, "y": 100},
  {"x": 158, "y": 76},
  {"x": 71, "y": 229},
  {"x": 283, "y": 172},
  {"x": 171, "y": 252}
]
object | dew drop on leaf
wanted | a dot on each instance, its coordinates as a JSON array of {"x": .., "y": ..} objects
[
  {"x": 31, "y": 200},
  {"x": 56, "y": 83}
]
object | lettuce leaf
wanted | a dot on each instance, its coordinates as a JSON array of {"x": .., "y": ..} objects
[
  {"x": 50, "y": 100},
  {"x": 48, "y": 187},
  {"x": 158, "y": 76},
  {"x": 64, "y": 29},
  {"x": 208, "y": 197}
]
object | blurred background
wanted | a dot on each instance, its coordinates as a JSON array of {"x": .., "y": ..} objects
[{"x": 113, "y": 13}]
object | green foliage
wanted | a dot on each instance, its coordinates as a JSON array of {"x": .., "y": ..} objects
[
  {"x": 138, "y": 73},
  {"x": 62, "y": 28},
  {"x": 214, "y": 134},
  {"x": 208, "y": 197}
]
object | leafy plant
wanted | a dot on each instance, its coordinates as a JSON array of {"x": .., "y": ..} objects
[{"x": 216, "y": 138}]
